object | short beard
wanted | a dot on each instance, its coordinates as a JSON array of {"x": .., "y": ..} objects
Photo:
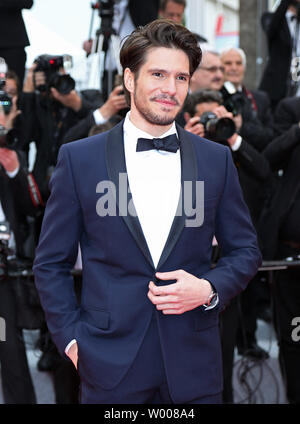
[{"x": 151, "y": 117}]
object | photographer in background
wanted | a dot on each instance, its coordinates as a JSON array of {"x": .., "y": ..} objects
[
  {"x": 108, "y": 113},
  {"x": 281, "y": 238},
  {"x": 210, "y": 73},
  {"x": 15, "y": 204},
  {"x": 11, "y": 98},
  {"x": 283, "y": 36},
  {"x": 13, "y": 35},
  {"x": 172, "y": 9},
  {"x": 208, "y": 76},
  {"x": 50, "y": 107},
  {"x": 122, "y": 17},
  {"x": 204, "y": 108},
  {"x": 254, "y": 106}
]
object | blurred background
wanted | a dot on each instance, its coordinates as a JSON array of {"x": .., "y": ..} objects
[
  {"x": 59, "y": 27},
  {"x": 244, "y": 94}
]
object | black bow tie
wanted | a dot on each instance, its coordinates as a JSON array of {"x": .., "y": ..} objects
[{"x": 169, "y": 144}]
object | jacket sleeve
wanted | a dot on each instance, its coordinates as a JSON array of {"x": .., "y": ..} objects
[
  {"x": 81, "y": 129},
  {"x": 278, "y": 152},
  {"x": 252, "y": 161},
  {"x": 253, "y": 131},
  {"x": 16, "y": 4},
  {"x": 25, "y": 191},
  {"x": 277, "y": 19},
  {"x": 236, "y": 236},
  {"x": 57, "y": 252}
]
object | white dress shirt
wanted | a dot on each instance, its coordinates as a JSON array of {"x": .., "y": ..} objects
[
  {"x": 123, "y": 25},
  {"x": 154, "y": 179},
  {"x": 292, "y": 24}
]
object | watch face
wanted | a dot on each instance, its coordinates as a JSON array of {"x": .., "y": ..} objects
[{"x": 213, "y": 299}]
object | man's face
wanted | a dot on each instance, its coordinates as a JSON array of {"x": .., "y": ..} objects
[
  {"x": 234, "y": 68},
  {"x": 209, "y": 75},
  {"x": 160, "y": 88},
  {"x": 173, "y": 11},
  {"x": 205, "y": 107},
  {"x": 11, "y": 87}
]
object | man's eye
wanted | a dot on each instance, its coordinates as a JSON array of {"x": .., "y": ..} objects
[
  {"x": 182, "y": 78},
  {"x": 157, "y": 74}
]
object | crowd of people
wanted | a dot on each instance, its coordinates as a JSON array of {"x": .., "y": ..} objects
[{"x": 261, "y": 128}]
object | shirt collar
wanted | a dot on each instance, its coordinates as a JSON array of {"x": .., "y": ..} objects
[{"x": 135, "y": 133}]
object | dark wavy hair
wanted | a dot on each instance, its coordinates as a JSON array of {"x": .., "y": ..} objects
[
  {"x": 199, "y": 97},
  {"x": 159, "y": 33}
]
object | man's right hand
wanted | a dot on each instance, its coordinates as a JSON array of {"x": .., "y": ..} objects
[
  {"x": 73, "y": 353},
  {"x": 7, "y": 120},
  {"x": 28, "y": 86},
  {"x": 115, "y": 102},
  {"x": 9, "y": 159},
  {"x": 87, "y": 46},
  {"x": 193, "y": 125}
]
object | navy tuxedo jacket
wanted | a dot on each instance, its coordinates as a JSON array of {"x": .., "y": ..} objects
[{"x": 115, "y": 312}]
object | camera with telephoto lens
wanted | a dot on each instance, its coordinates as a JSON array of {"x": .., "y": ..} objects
[
  {"x": 5, "y": 99},
  {"x": 233, "y": 100},
  {"x": 234, "y": 103},
  {"x": 217, "y": 129},
  {"x": 51, "y": 65}
]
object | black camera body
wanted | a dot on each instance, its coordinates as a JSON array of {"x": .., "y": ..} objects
[
  {"x": 5, "y": 99},
  {"x": 50, "y": 65},
  {"x": 233, "y": 102},
  {"x": 217, "y": 129}
]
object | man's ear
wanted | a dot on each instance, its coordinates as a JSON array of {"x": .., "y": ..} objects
[
  {"x": 129, "y": 80},
  {"x": 186, "y": 116}
]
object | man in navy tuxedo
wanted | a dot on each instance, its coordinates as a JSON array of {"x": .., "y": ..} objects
[{"x": 146, "y": 329}]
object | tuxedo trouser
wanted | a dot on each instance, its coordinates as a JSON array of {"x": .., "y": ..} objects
[
  {"x": 16, "y": 379},
  {"x": 145, "y": 382}
]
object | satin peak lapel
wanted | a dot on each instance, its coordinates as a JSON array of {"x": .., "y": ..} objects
[
  {"x": 116, "y": 165},
  {"x": 189, "y": 172}
]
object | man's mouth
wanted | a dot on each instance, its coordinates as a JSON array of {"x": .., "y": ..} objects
[{"x": 166, "y": 101}]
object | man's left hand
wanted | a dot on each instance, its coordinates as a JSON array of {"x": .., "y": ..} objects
[
  {"x": 186, "y": 294},
  {"x": 9, "y": 159},
  {"x": 71, "y": 100},
  {"x": 7, "y": 120}
]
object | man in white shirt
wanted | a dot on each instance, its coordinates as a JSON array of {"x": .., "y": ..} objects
[{"x": 147, "y": 327}]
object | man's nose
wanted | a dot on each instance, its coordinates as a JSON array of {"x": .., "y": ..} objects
[
  {"x": 169, "y": 86},
  {"x": 220, "y": 73}
]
